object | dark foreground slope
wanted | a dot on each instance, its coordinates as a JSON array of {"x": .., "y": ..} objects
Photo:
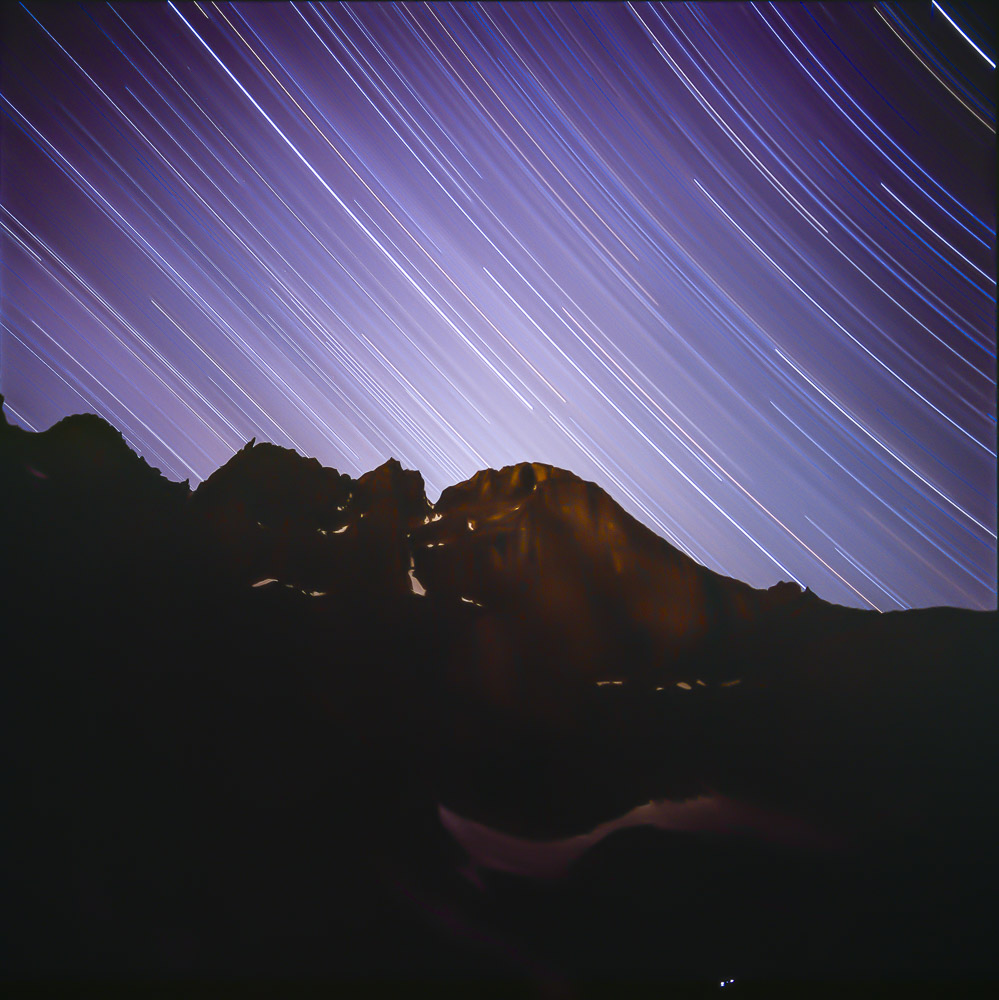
[{"x": 234, "y": 720}]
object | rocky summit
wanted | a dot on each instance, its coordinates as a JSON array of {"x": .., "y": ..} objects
[{"x": 294, "y": 725}]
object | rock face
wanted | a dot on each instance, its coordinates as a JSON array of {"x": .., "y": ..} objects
[
  {"x": 560, "y": 554},
  {"x": 234, "y": 715},
  {"x": 531, "y": 541}
]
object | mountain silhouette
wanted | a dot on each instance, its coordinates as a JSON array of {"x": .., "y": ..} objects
[{"x": 263, "y": 729}]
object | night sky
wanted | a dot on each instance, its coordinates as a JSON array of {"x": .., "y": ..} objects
[{"x": 735, "y": 263}]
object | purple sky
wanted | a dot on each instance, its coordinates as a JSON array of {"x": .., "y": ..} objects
[{"x": 735, "y": 263}]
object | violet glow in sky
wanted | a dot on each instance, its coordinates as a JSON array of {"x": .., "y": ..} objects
[{"x": 734, "y": 263}]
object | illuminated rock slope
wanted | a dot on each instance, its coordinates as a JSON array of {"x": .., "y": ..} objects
[
  {"x": 559, "y": 553},
  {"x": 236, "y": 716}
]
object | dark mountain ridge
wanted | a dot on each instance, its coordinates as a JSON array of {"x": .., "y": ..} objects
[{"x": 229, "y": 706}]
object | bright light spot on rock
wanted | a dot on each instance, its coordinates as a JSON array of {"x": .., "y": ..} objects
[
  {"x": 684, "y": 685},
  {"x": 263, "y": 583}
]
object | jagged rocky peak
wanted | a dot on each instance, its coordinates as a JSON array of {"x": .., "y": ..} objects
[
  {"x": 787, "y": 592},
  {"x": 88, "y": 430},
  {"x": 531, "y": 512},
  {"x": 515, "y": 494},
  {"x": 82, "y": 439},
  {"x": 511, "y": 483},
  {"x": 517, "y": 498},
  {"x": 277, "y": 485},
  {"x": 563, "y": 554},
  {"x": 84, "y": 451},
  {"x": 528, "y": 539},
  {"x": 390, "y": 485}
]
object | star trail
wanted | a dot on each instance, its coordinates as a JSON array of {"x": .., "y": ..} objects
[{"x": 733, "y": 262}]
